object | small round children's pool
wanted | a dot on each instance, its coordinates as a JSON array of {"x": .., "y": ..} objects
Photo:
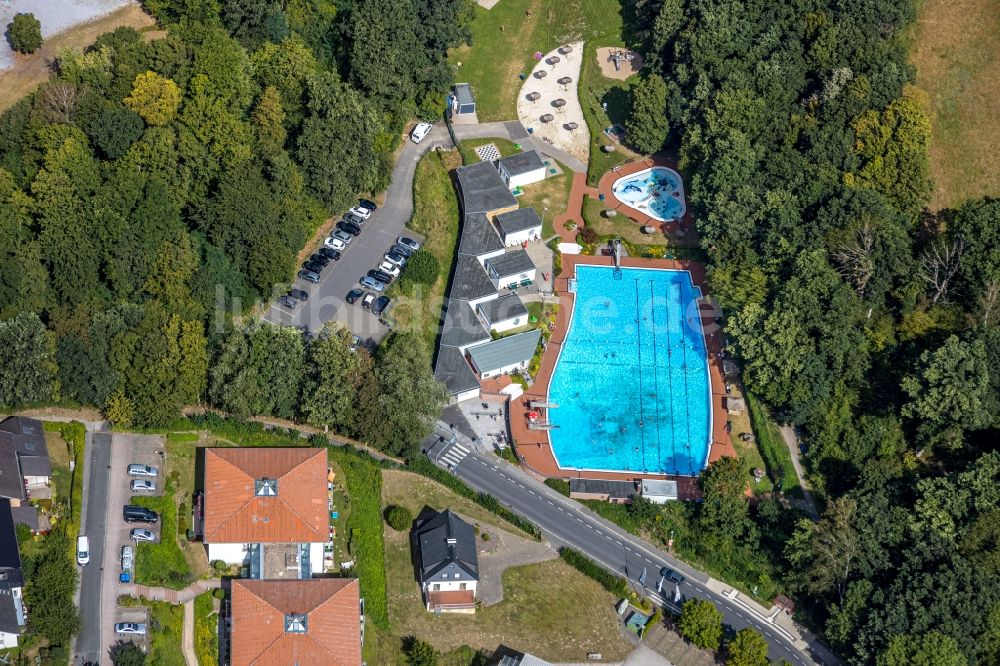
[{"x": 657, "y": 192}]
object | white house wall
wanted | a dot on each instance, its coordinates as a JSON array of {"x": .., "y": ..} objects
[
  {"x": 230, "y": 553},
  {"x": 505, "y": 370},
  {"x": 8, "y": 640},
  {"x": 316, "y": 558},
  {"x": 508, "y": 324},
  {"x": 449, "y": 585},
  {"x": 527, "y": 178},
  {"x": 519, "y": 237}
]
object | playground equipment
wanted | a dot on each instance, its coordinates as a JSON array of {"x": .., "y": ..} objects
[
  {"x": 553, "y": 60},
  {"x": 618, "y": 57},
  {"x": 541, "y": 74},
  {"x": 565, "y": 49}
]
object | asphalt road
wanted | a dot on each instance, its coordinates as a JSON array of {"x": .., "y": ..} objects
[
  {"x": 88, "y": 642},
  {"x": 326, "y": 299},
  {"x": 565, "y": 521}
]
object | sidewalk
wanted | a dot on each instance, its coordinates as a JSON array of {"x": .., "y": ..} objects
[
  {"x": 187, "y": 643},
  {"x": 171, "y": 596}
]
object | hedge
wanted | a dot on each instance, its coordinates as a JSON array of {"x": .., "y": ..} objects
[
  {"x": 206, "y": 630},
  {"x": 363, "y": 479},
  {"x": 609, "y": 581},
  {"x": 424, "y": 466}
]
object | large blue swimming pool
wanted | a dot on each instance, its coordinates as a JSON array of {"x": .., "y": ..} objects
[{"x": 632, "y": 380}]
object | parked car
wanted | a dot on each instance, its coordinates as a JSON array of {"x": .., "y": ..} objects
[
  {"x": 128, "y": 557},
  {"x": 288, "y": 302},
  {"x": 380, "y": 305},
  {"x": 314, "y": 266},
  {"x": 355, "y": 342},
  {"x": 367, "y": 204},
  {"x": 299, "y": 295},
  {"x": 130, "y": 629},
  {"x": 331, "y": 254},
  {"x": 671, "y": 575},
  {"x": 355, "y": 219},
  {"x": 133, "y": 513},
  {"x": 334, "y": 243},
  {"x": 319, "y": 258},
  {"x": 391, "y": 269},
  {"x": 142, "y": 534},
  {"x": 381, "y": 276},
  {"x": 353, "y": 295},
  {"x": 309, "y": 276},
  {"x": 395, "y": 258},
  {"x": 349, "y": 227},
  {"x": 420, "y": 132},
  {"x": 414, "y": 245},
  {"x": 82, "y": 551},
  {"x": 342, "y": 235},
  {"x": 142, "y": 485},
  {"x": 372, "y": 283},
  {"x": 360, "y": 211},
  {"x": 401, "y": 249},
  {"x": 366, "y": 303},
  {"x": 135, "y": 469}
]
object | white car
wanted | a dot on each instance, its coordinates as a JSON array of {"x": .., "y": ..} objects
[
  {"x": 141, "y": 534},
  {"x": 143, "y": 485},
  {"x": 420, "y": 132},
  {"x": 82, "y": 551},
  {"x": 128, "y": 557},
  {"x": 130, "y": 629},
  {"x": 391, "y": 269},
  {"x": 334, "y": 243},
  {"x": 363, "y": 213},
  {"x": 135, "y": 469}
]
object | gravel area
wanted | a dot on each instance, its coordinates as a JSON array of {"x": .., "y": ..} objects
[
  {"x": 575, "y": 142},
  {"x": 512, "y": 551},
  {"x": 54, "y": 15}
]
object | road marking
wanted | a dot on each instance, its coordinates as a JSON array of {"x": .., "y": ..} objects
[{"x": 550, "y": 502}]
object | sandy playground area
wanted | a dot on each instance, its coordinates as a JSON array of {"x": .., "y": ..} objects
[
  {"x": 564, "y": 126},
  {"x": 630, "y": 64}
]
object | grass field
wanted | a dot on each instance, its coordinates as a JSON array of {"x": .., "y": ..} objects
[
  {"x": 435, "y": 217},
  {"x": 773, "y": 451},
  {"x": 167, "y": 629},
  {"x": 549, "y": 198},
  {"x": 549, "y": 609},
  {"x": 30, "y": 71},
  {"x": 956, "y": 50},
  {"x": 468, "y": 148},
  {"x": 505, "y": 38}
]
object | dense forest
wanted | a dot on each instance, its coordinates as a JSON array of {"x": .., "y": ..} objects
[
  {"x": 153, "y": 191},
  {"x": 859, "y": 315}
]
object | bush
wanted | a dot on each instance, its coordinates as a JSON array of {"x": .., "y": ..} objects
[
  {"x": 422, "y": 268},
  {"x": 127, "y": 653},
  {"x": 588, "y": 236},
  {"x": 398, "y": 517},
  {"x": 219, "y": 593},
  {"x": 24, "y": 33},
  {"x": 206, "y": 630},
  {"x": 561, "y": 486},
  {"x": 610, "y": 582},
  {"x": 419, "y": 653}
]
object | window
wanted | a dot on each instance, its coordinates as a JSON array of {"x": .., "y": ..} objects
[
  {"x": 296, "y": 623},
  {"x": 457, "y": 575},
  {"x": 265, "y": 487},
  {"x": 436, "y": 587},
  {"x": 461, "y": 586},
  {"x": 444, "y": 575}
]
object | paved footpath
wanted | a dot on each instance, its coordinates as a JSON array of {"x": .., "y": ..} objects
[
  {"x": 190, "y": 656},
  {"x": 171, "y": 596}
]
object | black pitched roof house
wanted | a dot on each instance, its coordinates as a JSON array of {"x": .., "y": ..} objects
[{"x": 447, "y": 548}]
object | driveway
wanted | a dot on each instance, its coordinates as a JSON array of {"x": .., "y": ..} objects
[
  {"x": 326, "y": 299},
  {"x": 128, "y": 448},
  {"x": 95, "y": 502}
]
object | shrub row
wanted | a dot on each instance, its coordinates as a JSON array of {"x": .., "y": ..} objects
[
  {"x": 363, "y": 479},
  {"x": 609, "y": 581},
  {"x": 206, "y": 630},
  {"x": 422, "y": 465}
]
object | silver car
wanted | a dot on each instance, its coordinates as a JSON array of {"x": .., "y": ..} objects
[
  {"x": 414, "y": 245},
  {"x": 143, "y": 485},
  {"x": 130, "y": 629},
  {"x": 135, "y": 469},
  {"x": 141, "y": 534}
]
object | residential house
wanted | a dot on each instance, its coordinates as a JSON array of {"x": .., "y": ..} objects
[
  {"x": 12, "y": 616},
  {"x": 604, "y": 490},
  {"x": 512, "y": 658},
  {"x": 267, "y": 508},
  {"x": 449, "y": 565},
  {"x": 314, "y": 622},
  {"x": 521, "y": 168},
  {"x": 22, "y": 445},
  {"x": 519, "y": 226}
]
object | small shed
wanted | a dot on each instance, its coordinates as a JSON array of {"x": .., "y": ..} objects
[
  {"x": 511, "y": 268},
  {"x": 519, "y": 225},
  {"x": 465, "y": 103},
  {"x": 659, "y": 491},
  {"x": 522, "y": 168},
  {"x": 505, "y": 355},
  {"x": 503, "y": 314},
  {"x": 604, "y": 490},
  {"x": 735, "y": 406}
]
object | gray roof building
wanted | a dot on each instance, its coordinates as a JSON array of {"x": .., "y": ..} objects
[
  {"x": 522, "y": 659},
  {"x": 522, "y": 163},
  {"x": 479, "y": 238},
  {"x": 12, "y": 618},
  {"x": 518, "y": 220},
  {"x": 613, "y": 489},
  {"x": 452, "y": 370},
  {"x": 447, "y": 547},
  {"x": 501, "y": 309},
  {"x": 25, "y": 515},
  {"x": 463, "y": 97},
  {"x": 11, "y": 479},
  {"x": 470, "y": 281},
  {"x": 482, "y": 189},
  {"x": 461, "y": 327},
  {"x": 505, "y": 352},
  {"x": 26, "y": 438},
  {"x": 509, "y": 263}
]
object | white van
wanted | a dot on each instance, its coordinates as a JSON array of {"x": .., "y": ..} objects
[
  {"x": 82, "y": 551},
  {"x": 419, "y": 132}
]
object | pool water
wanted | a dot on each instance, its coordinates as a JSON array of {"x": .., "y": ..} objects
[
  {"x": 657, "y": 192},
  {"x": 632, "y": 380}
]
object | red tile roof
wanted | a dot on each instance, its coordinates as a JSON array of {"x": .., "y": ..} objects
[
  {"x": 235, "y": 514},
  {"x": 332, "y": 610},
  {"x": 451, "y": 598}
]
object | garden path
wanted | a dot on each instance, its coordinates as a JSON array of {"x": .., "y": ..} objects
[{"x": 187, "y": 643}]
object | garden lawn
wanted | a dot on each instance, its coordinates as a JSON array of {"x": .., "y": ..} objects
[
  {"x": 180, "y": 469},
  {"x": 549, "y": 198},
  {"x": 206, "y": 630},
  {"x": 162, "y": 564},
  {"x": 505, "y": 38},
  {"x": 66, "y": 442},
  {"x": 956, "y": 50},
  {"x": 468, "y": 148},
  {"x": 167, "y": 632},
  {"x": 773, "y": 451},
  {"x": 435, "y": 217}
]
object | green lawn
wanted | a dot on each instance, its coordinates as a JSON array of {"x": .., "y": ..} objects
[
  {"x": 468, "y": 148},
  {"x": 435, "y": 217},
  {"x": 549, "y": 198},
  {"x": 773, "y": 450},
  {"x": 505, "y": 38},
  {"x": 206, "y": 630},
  {"x": 167, "y": 632},
  {"x": 162, "y": 564},
  {"x": 594, "y": 90},
  {"x": 66, "y": 442}
]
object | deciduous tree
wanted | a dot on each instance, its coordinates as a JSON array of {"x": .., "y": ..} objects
[
  {"x": 701, "y": 623},
  {"x": 647, "y": 126},
  {"x": 155, "y": 98},
  {"x": 747, "y": 648},
  {"x": 24, "y": 33}
]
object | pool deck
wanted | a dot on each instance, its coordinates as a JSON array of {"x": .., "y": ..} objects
[
  {"x": 611, "y": 201},
  {"x": 533, "y": 446}
]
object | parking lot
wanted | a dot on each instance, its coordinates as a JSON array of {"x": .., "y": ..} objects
[
  {"x": 327, "y": 299},
  {"x": 126, "y": 449}
]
